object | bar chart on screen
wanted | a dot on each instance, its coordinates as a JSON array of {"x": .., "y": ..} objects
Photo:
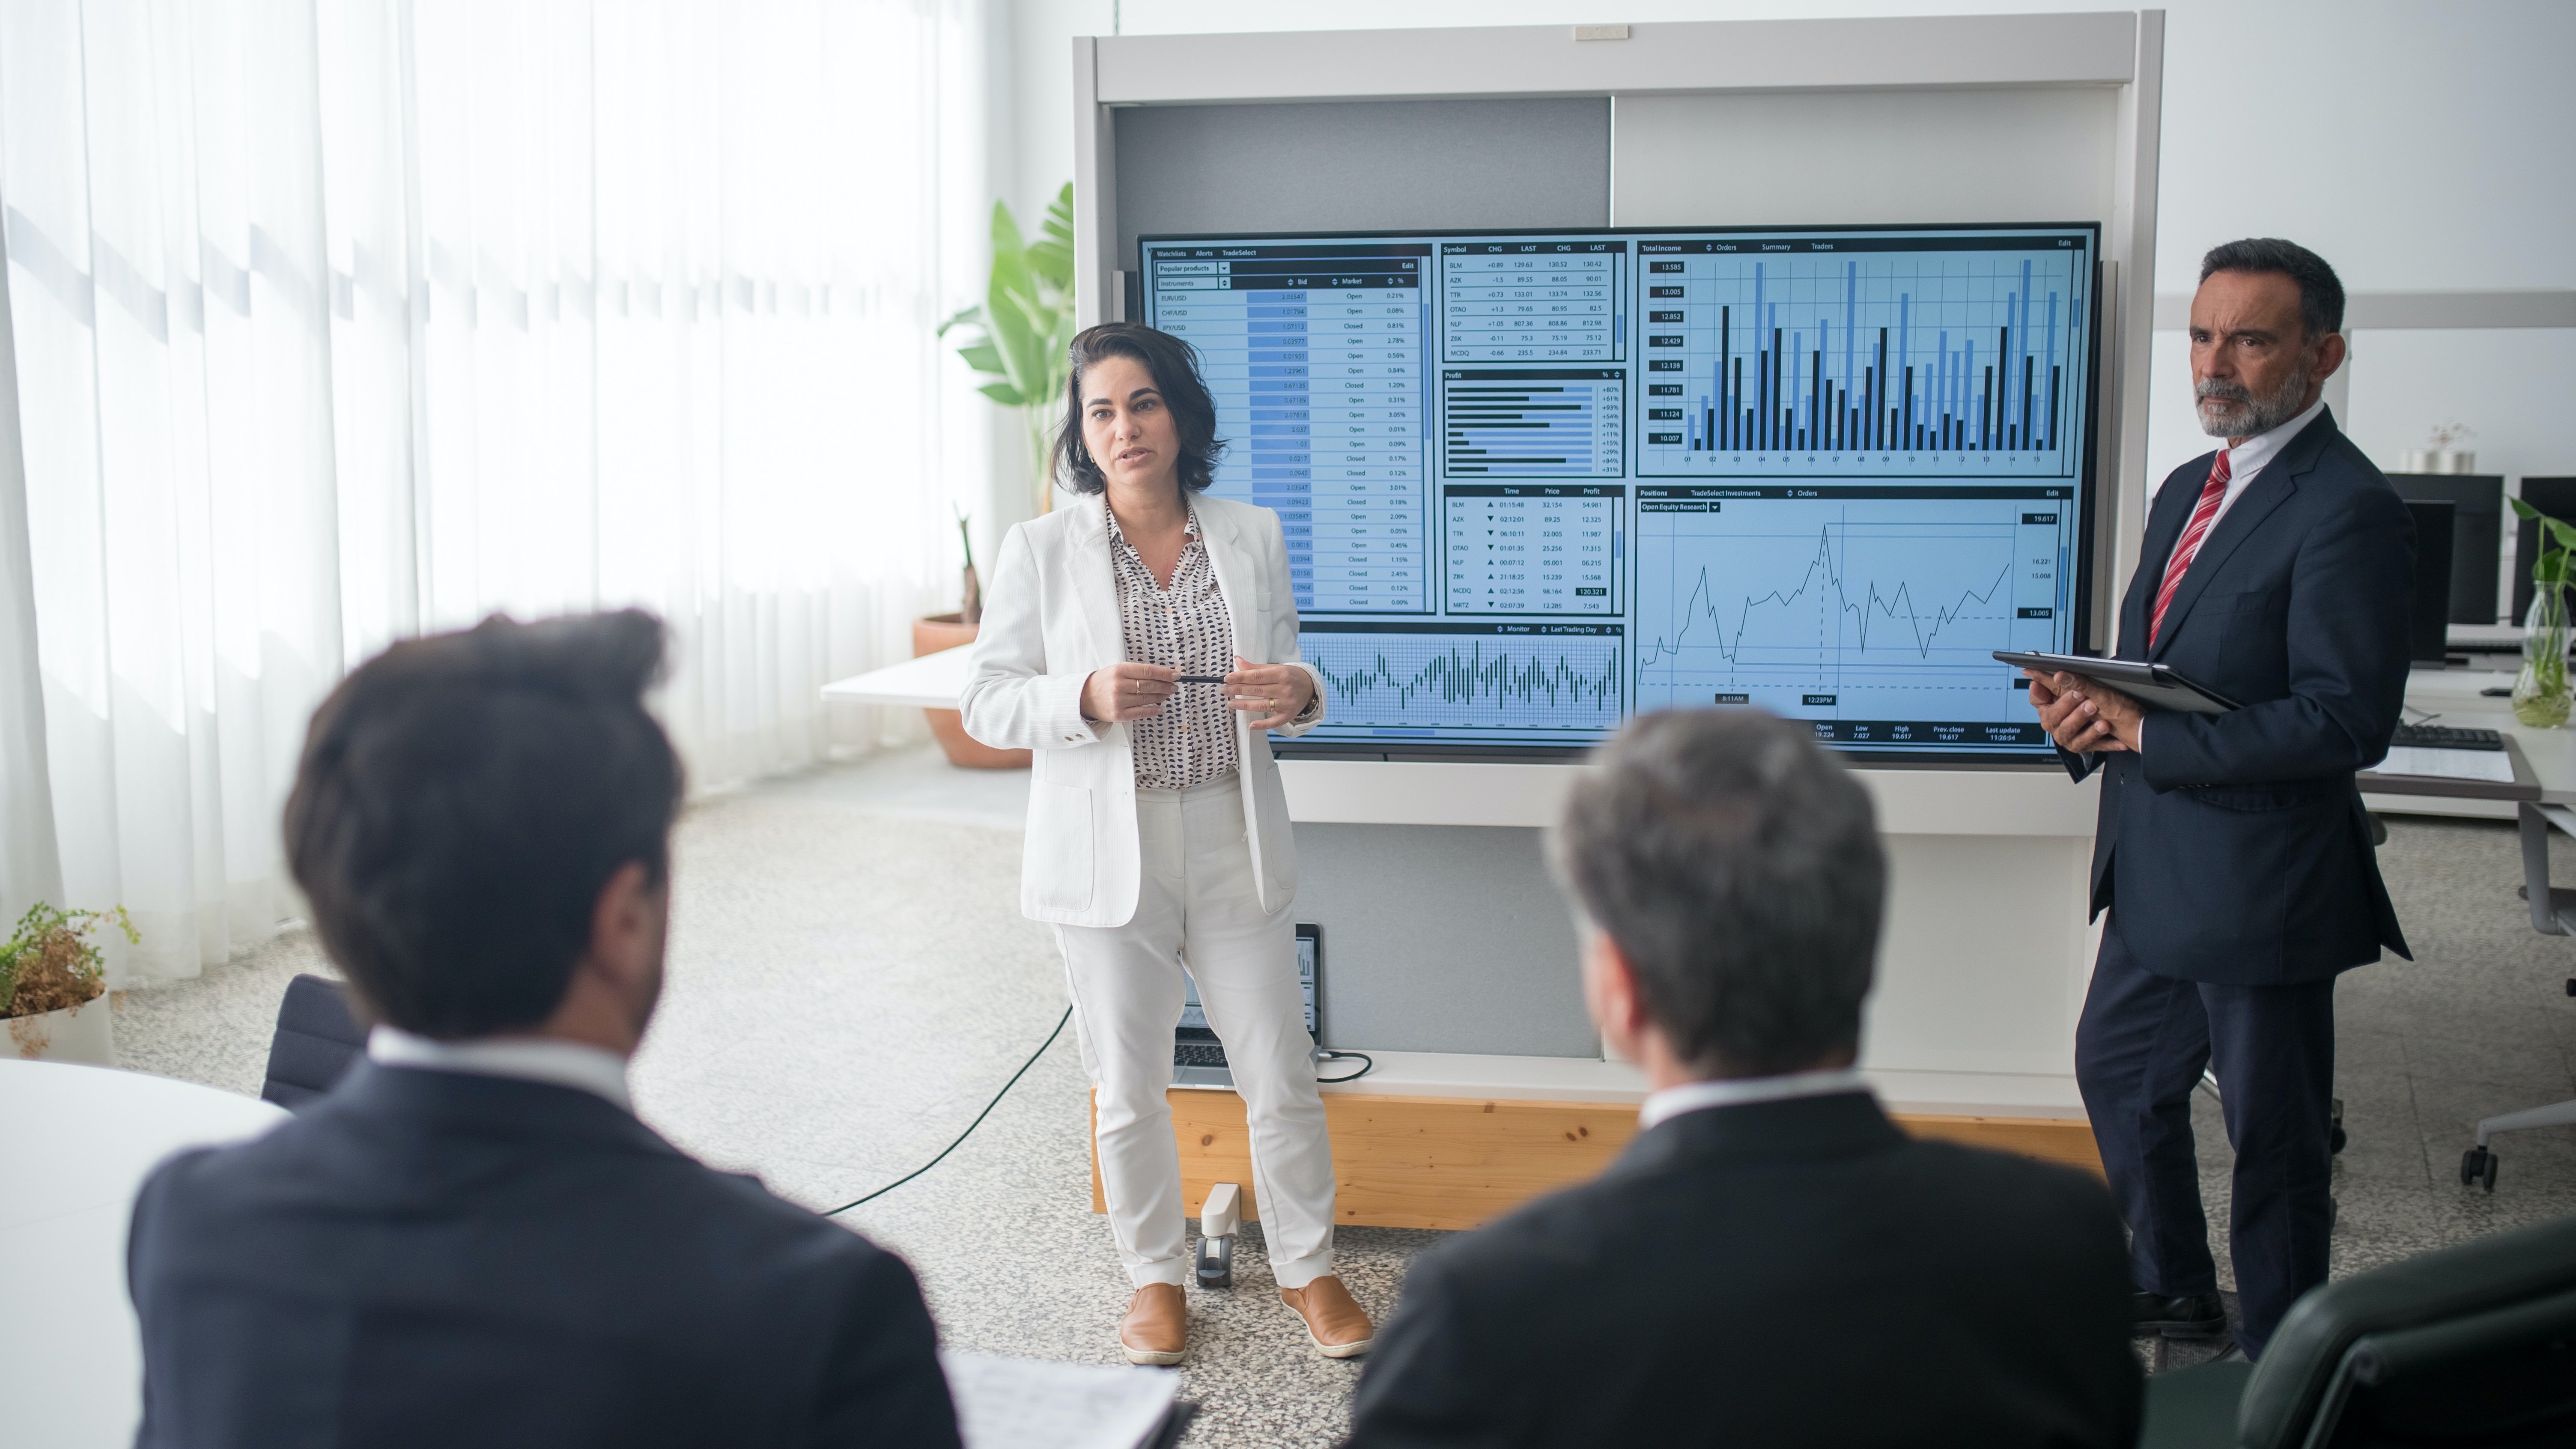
[
  {"x": 1873, "y": 611},
  {"x": 1921, "y": 356}
]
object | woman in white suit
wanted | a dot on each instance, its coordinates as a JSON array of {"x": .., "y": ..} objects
[{"x": 1158, "y": 833}]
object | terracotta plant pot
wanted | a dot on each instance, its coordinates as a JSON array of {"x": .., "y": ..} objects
[
  {"x": 73, "y": 1034},
  {"x": 930, "y": 635}
]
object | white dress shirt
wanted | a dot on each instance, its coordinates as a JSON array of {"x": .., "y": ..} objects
[
  {"x": 1672, "y": 1102},
  {"x": 2245, "y": 463},
  {"x": 595, "y": 1070}
]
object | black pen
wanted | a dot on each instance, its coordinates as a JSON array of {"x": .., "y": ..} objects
[{"x": 1198, "y": 679}]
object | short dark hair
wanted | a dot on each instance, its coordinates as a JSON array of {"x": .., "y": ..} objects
[
  {"x": 1174, "y": 366},
  {"x": 462, "y": 801},
  {"x": 1737, "y": 866},
  {"x": 2320, "y": 290}
]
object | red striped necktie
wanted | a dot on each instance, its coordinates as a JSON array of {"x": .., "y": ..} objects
[{"x": 2212, "y": 493}]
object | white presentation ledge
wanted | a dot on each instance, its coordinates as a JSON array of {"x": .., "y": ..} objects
[
  {"x": 1584, "y": 1079},
  {"x": 932, "y": 681},
  {"x": 1502, "y": 1078},
  {"x": 2009, "y": 802}
]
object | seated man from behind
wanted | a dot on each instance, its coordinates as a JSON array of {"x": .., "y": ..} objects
[
  {"x": 472, "y": 1240},
  {"x": 1771, "y": 1261}
]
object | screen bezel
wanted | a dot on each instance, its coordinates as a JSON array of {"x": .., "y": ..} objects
[{"x": 2087, "y": 509}]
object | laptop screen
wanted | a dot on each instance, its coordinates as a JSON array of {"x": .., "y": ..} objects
[{"x": 1194, "y": 1025}]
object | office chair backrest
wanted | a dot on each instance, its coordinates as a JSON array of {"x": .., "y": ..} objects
[
  {"x": 2473, "y": 1345},
  {"x": 318, "y": 1039}
]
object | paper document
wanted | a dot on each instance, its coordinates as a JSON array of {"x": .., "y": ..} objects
[
  {"x": 2493, "y": 766},
  {"x": 1027, "y": 1403}
]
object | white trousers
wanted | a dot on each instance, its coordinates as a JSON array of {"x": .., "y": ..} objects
[{"x": 1197, "y": 905}]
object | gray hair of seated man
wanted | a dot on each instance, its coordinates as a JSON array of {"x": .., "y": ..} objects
[{"x": 1737, "y": 867}]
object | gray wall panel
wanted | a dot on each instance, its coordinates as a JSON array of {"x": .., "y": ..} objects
[
  {"x": 1361, "y": 166},
  {"x": 1442, "y": 938}
]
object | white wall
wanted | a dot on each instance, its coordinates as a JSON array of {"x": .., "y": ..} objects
[{"x": 2418, "y": 145}]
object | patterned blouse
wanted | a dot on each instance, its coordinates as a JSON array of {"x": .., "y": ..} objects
[{"x": 1184, "y": 628}]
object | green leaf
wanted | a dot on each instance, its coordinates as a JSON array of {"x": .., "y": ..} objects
[
  {"x": 1003, "y": 393},
  {"x": 971, "y": 316},
  {"x": 983, "y": 357},
  {"x": 1050, "y": 257}
]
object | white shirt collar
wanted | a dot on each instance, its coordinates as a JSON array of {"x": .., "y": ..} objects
[
  {"x": 2248, "y": 458},
  {"x": 1672, "y": 1102},
  {"x": 591, "y": 1069}
]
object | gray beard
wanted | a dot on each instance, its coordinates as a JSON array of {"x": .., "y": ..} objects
[{"x": 2229, "y": 411}]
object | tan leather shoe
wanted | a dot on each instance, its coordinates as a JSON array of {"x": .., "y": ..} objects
[
  {"x": 1156, "y": 1329},
  {"x": 1337, "y": 1324}
]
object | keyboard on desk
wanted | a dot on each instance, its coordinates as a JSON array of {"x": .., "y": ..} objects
[
  {"x": 2444, "y": 737},
  {"x": 1197, "y": 1054}
]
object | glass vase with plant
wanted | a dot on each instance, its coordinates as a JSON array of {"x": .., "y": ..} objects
[
  {"x": 2540, "y": 693},
  {"x": 1025, "y": 327}
]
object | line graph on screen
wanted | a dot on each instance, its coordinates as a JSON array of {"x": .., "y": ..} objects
[
  {"x": 1557, "y": 681},
  {"x": 1878, "y": 608}
]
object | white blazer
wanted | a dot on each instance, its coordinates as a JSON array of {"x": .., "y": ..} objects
[{"x": 1050, "y": 619}]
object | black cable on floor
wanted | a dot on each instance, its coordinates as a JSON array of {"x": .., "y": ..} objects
[{"x": 971, "y": 1126}]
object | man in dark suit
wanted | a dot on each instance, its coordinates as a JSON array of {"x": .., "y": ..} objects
[
  {"x": 472, "y": 1240},
  {"x": 1771, "y": 1261},
  {"x": 2232, "y": 851}
]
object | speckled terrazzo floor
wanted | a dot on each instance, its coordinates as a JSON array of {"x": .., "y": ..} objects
[{"x": 850, "y": 980}]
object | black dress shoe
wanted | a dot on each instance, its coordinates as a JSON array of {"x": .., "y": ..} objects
[{"x": 2193, "y": 1315}]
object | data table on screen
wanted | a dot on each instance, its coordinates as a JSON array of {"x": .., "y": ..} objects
[
  {"x": 1863, "y": 357},
  {"x": 1317, "y": 358},
  {"x": 1533, "y": 548},
  {"x": 1873, "y": 611},
  {"x": 1554, "y": 301}
]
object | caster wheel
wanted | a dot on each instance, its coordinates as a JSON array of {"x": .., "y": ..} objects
[
  {"x": 2335, "y": 1141},
  {"x": 2478, "y": 1168}
]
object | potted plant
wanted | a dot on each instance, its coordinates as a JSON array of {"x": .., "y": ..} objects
[
  {"x": 1024, "y": 330},
  {"x": 1020, "y": 338},
  {"x": 51, "y": 982},
  {"x": 932, "y": 633}
]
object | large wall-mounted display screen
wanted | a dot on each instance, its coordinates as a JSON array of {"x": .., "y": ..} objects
[{"x": 1533, "y": 483}]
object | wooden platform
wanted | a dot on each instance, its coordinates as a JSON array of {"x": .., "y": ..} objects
[{"x": 1450, "y": 1162}]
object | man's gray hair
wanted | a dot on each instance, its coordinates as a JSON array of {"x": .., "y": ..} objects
[{"x": 1737, "y": 867}]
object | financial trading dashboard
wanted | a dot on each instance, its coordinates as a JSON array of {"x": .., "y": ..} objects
[{"x": 1534, "y": 483}]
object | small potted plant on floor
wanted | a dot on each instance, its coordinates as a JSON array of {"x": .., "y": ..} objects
[
  {"x": 934, "y": 632},
  {"x": 52, "y": 980}
]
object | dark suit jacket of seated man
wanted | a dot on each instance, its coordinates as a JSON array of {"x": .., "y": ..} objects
[
  {"x": 1771, "y": 1261},
  {"x": 472, "y": 1241}
]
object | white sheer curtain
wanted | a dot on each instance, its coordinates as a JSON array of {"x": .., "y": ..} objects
[{"x": 337, "y": 322}]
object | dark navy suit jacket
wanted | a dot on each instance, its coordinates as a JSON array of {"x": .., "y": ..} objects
[
  {"x": 434, "y": 1259},
  {"x": 1785, "y": 1273},
  {"x": 2233, "y": 848}
]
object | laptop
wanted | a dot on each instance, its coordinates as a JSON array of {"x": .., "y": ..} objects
[{"x": 1198, "y": 1058}]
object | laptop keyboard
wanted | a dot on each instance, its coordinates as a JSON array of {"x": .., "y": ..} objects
[
  {"x": 1197, "y": 1054},
  {"x": 2443, "y": 737}
]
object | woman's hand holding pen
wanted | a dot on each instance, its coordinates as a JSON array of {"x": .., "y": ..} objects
[
  {"x": 1272, "y": 694},
  {"x": 1126, "y": 691}
]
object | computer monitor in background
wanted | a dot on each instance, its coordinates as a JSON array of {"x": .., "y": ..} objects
[
  {"x": 2430, "y": 628},
  {"x": 2477, "y": 536},
  {"x": 2555, "y": 497}
]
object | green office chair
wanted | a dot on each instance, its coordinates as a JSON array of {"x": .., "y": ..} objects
[{"x": 2472, "y": 1347}]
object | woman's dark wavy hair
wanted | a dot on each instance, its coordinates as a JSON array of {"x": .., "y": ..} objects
[{"x": 1174, "y": 366}]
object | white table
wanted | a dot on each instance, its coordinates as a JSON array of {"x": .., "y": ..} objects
[
  {"x": 75, "y": 1144},
  {"x": 2455, "y": 697},
  {"x": 929, "y": 681}
]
